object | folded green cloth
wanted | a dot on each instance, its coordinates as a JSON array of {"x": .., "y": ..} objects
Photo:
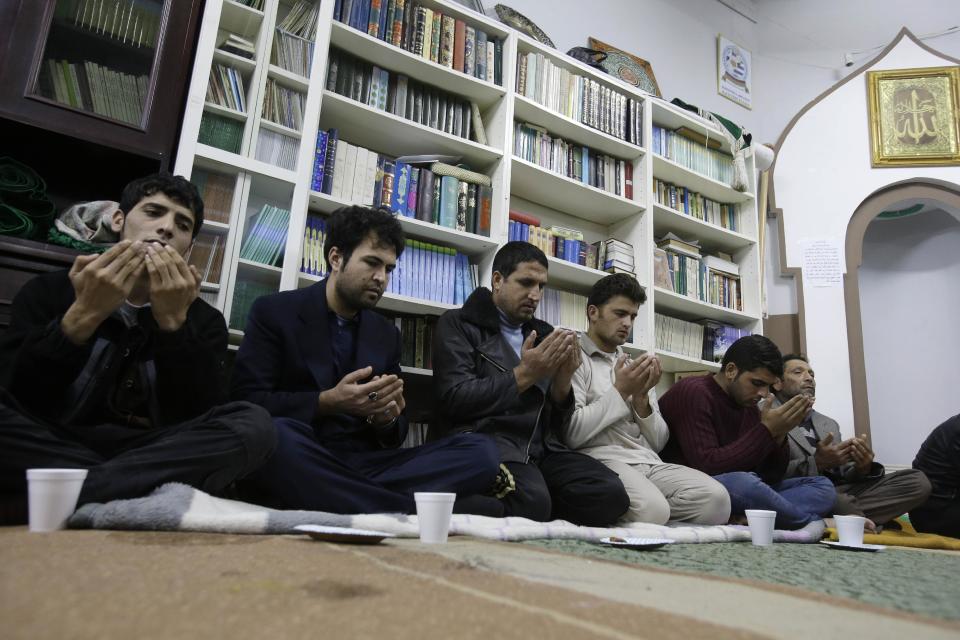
[{"x": 25, "y": 209}]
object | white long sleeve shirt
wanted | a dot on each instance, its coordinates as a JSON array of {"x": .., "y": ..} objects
[{"x": 604, "y": 425}]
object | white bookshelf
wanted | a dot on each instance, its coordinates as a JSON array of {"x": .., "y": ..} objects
[{"x": 517, "y": 183}]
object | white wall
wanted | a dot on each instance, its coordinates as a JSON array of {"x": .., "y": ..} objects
[
  {"x": 823, "y": 174},
  {"x": 910, "y": 305}
]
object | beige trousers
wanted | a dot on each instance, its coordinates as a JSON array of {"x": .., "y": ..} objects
[{"x": 671, "y": 492}]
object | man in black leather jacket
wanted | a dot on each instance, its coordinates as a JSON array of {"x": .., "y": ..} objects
[
  {"x": 501, "y": 372},
  {"x": 117, "y": 366}
]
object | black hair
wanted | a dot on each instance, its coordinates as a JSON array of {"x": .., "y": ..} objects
[
  {"x": 793, "y": 356},
  {"x": 349, "y": 226},
  {"x": 510, "y": 256},
  {"x": 177, "y": 188},
  {"x": 617, "y": 284},
  {"x": 754, "y": 352}
]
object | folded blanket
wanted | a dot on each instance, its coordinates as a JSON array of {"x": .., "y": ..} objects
[
  {"x": 178, "y": 507},
  {"x": 908, "y": 537}
]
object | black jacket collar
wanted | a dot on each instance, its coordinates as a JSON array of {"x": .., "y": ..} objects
[{"x": 480, "y": 310}]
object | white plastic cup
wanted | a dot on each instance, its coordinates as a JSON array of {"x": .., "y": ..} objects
[
  {"x": 850, "y": 530},
  {"x": 761, "y": 526},
  {"x": 433, "y": 513},
  {"x": 52, "y": 496}
]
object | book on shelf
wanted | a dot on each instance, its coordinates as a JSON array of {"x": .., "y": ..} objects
[
  {"x": 313, "y": 261},
  {"x": 691, "y": 277},
  {"x": 702, "y": 339},
  {"x": 563, "y": 309},
  {"x": 580, "y": 98},
  {"x": 672, "y": 242},
  {"x": 216, "y": 190},
  {"x": 711, "y": 163},
  {"x": 301, "y": 20},
  {"x": 717, "y": 337},
  {"x": 722, "y": 265},
  {"x": 432, "y": 272},
  {"x": 661, "y": 270},
  {"x": 479, "y": 132},
  {"x": 398, "y": 94},
  {"x": 699, "y": 138},
  {"x": 96, "y": 88},
  {"x": 245, "y": 293},
  {"x": 225, "y": 88},
  {"x": 128, "y": 22},
  {"x": 695, "y": 205},
  {"x": 238, "y": 46},
  {"x": 534, "y": 144},
  {"x": 427, "y": 32},
  {"x": 277, "y": 149},
  {"x": 292, "y": 52},
  {"x": 266, "y": 237},
  {"x": 416, "y": 341},
  {"x": 282, "y": 105},
  {"x": 206, "y": 255},
  {"x": 218, "y": 131}
]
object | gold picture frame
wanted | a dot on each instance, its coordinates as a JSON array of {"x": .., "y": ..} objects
[{"x": 914, "y": 117}]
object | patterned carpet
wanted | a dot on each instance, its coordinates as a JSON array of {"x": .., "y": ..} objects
[{"x": 925, "y": 583}]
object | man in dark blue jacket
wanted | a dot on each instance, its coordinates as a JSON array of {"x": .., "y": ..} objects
[
  {"x": 327, "y": 368},
  {"x": 117, "y": 366}
]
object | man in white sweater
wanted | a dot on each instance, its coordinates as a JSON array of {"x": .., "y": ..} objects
[{"x": 617, "y": 421}]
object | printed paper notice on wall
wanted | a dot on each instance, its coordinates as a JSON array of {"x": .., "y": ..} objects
[{"x": 822, "y": 262}]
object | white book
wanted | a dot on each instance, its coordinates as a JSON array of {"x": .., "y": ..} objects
[
  {"x": 490, "y": 59},
  {"x": 359, "y": 174},
  {"x": 339, "y": 168},
  {"x": 370, "y": 182}
]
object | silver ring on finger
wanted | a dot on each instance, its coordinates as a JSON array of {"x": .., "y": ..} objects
[{"x": 373, "y": 395}]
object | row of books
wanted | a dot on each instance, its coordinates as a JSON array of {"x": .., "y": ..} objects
[
  {"x": 534, "y": 144},
  {"x": 206, "y": 255},
  {"x": 712, "y": 163},
  {"x": 282, "y": 105},
  {"x": 610, "y": 255},
  {"x": 301, "y": 20},
  {"x": 266, "y": 236},
  {"x": 703, "y": 339},
  {"x": 431, "y": 272},
  {"x": 416, "y": 341},
  {"x": 218, "y": 131},
  {"x": 277, "y": 149},
  {"x": 131, "y": 22},
  {"x": 245, "y": 293},
  {"x": 580, "y": 98},
  {"x": 696, "y": 205},
  {"x": 292, "y": 52},
  {"x": 216, "y": 189},
  {"x": 92, "y": 87},
  {"x": 312, "y": 259},
  {"x": 691, "y": 277},
  {"x": 225, "y": 88},
  {"x": 563, "y": 309},
  {"x": 428, "y": 33},
  {"x": 401, "y": 96}
]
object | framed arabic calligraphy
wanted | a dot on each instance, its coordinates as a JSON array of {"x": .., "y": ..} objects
[{"x": 914, "y": 116}]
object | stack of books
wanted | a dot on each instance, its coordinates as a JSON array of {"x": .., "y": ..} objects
[
  {"x": 411, "y": 187},
  {"x": 616, "y": 256},
  {"x": 681, "y": 268},
  {"x": 432, "y": 272},
  {"x": 563, "y": 309},
  {"x": 266, "y": 236},
  {"x": 238, "y": 46},
  {"x": 206, "y": 255},
  {"x": 692, "y": 155},
  {"x": 283, "y": 106},
  {"x": 582, "y": 99},
  {"x": 216, "y": 189},
  {"x": 313, "y": 261},
  {"x": 534, "y": 144},
  {"x": 218, "y": 131},
  {"x": 426, "y": 32},
  {"x": 696, "y": 206},
  {"x": 401, "y": 96},
  {"x": 723, "y": 281},
  {"x": 225, "y": 88},
  {"x": 96, "y": 88}
]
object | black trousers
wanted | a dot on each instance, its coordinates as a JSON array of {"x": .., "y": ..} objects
[
  {"x": 937, "y": 516},
  {"x": 562, "y": 485},
  {"x": 304, "y": 474},
  {"x": 209, "y": 452}
]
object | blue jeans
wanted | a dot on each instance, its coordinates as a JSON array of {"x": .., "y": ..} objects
[{"x": 797, "y": 501}]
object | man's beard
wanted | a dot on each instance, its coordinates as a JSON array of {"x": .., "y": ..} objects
[{"x": 355, "y": 298}]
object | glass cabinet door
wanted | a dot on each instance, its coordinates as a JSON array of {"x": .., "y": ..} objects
[{"x": 99, "y": 56}]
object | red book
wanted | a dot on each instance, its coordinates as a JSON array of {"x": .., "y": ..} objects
[
  {"x": 459, "y": 44},
  {"x": 628, "y": 180},
  {"x": 525, "y": 218}
]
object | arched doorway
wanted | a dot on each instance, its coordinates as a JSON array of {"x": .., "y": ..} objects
[{"x": 895, "y": 329}]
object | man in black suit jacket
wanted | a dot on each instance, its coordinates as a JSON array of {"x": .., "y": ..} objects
[{"x": 326, "y": 366}]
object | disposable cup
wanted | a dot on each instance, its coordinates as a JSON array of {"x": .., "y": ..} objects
[
  {"x": 850, "y": 530},
  {"x": 52, "y": 496},
  {"x": 761, "y": 526},
  {"x": 433, "y": 514}
]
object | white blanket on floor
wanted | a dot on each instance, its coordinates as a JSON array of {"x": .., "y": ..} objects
[{"x": 178, "y": 507}]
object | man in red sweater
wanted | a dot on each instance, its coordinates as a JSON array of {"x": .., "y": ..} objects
[{"x": 724, "y": 426}]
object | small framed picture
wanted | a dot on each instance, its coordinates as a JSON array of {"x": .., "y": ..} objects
[
  {"x": 734, "y": 72},
  {"x": 914, "y": 116}
]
